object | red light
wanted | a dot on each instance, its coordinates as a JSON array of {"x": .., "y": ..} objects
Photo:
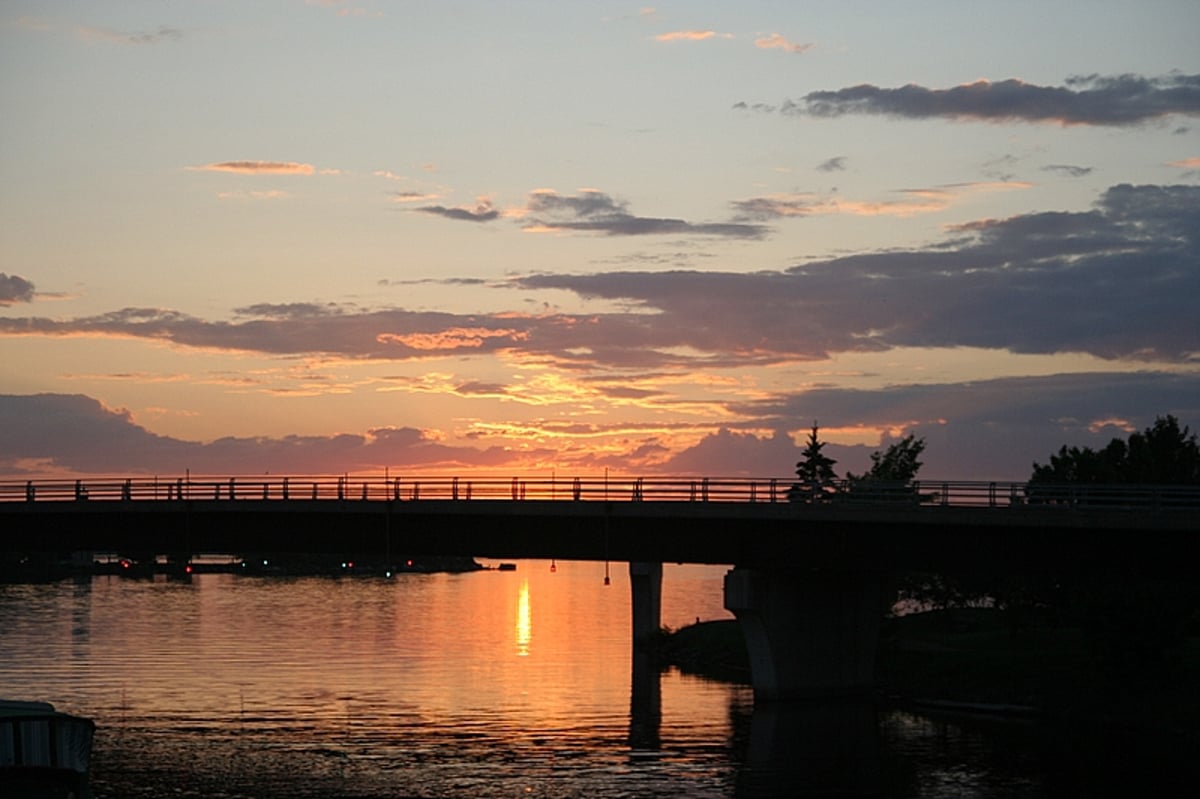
[
  {"x": 125, "y": 564},
  {"x": 187, "y": 569},
  {"x": 350, "y": 565},
  {"x": 408, "y": 563}
]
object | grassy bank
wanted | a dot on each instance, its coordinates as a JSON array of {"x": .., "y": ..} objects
[{"x": 972, "y": 656}]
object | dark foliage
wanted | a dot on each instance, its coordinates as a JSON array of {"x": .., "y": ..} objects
[
  {"x": 1163, "y": 454},
  {"x": 892, "y": 472}
]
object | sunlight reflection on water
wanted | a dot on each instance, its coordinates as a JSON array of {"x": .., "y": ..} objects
[
  {"x": 487, "y": 684},
  {"x": 442, "y": 684}
]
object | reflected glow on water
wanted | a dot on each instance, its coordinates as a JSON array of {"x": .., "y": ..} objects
[
  {"x": 524, "y": 620},
  {"x": 489, "y": 684},
  {"x": 428, "y": 685}
]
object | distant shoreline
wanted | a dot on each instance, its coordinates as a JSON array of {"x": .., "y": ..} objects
[{"x": 43, "y": 568}]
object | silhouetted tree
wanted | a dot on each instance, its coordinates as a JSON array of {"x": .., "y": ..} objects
[
  {"x": 1163, "y": 454},
  {"x": 814, "y": 470},
  {"x": 892, "y": 471}
]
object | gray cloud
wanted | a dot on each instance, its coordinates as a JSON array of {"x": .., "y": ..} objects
[
  {"x": 992, "y": 429},
  {"x": 985, "y": 430},
  {"x": 434, "y": 281},
  {"x": 733, "y": 453},
  {"x": 762, "y": 108},
  {"x": 483, "y": 212},
  {"x": 291, "y": 310},
  {"x": 1067, "y": 170},
  {"x": 14, "y": 289},
  {"x": 835, "y": 164},
  {"x": 302, "y": 328},
  {"x": 162, "y": 34},
  {"x": 478, "y": 388},
  {"x": 1119, "y": 282},
  {"x": 1089, "y": 100},
  {"x": 597, "y": 212},
  {"x": 77, "y": 433}
]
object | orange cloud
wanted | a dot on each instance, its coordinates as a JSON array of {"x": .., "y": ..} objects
[
  {"x": 1098, "y": 425},
  {"x": 272, "y": 194},
  {"x": 910, "y": 203},
  {"x": 1186, "y": 163},
  {"x": 777, "y": 42},
  {"x": 258, "y": 168},
  {"x": 690, "y": 36},
  {"x": 140, "y": 377},
  {"x": 450, "y": 339}
]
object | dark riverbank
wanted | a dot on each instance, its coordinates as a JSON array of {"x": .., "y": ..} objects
[{"x": 971, "y": 659}]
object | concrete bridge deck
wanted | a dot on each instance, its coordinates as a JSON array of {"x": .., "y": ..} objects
[{"x": 932, "y": 524}]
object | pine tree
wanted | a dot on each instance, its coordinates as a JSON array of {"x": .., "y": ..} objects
[{"x": 815, "y": 470}]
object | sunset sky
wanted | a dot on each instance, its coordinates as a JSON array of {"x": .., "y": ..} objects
[{"x": 531, "y": 237}]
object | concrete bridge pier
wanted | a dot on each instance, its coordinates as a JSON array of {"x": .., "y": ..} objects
[
  {"x": 645, "y": 717},
  {"x": 645, "y": 583},
  {"x": 809, "y": 632}
]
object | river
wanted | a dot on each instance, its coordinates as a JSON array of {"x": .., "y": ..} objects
[{"x": 493, "y": 684}]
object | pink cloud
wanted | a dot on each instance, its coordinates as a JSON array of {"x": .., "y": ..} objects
[{"x": 777, "y": 42}]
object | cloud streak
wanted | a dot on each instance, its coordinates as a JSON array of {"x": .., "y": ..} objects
[
  {"x": 161, "y": 34},
  {"x": 911, "y": 202},
  {"x": 257, "y": 168},
  {"x": 78, "y": 434},
  {"x": 1067, "y": 170},
  {"x": 1120, "y": 100},
  {"x": 776, "y": 41},
  {"x": 595, "y": 212},
  {"x": 691, "y": 36},
  {"x": 483, "y": 211}
]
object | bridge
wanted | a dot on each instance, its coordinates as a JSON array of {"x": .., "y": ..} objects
[{"x": 810, "y": 562}]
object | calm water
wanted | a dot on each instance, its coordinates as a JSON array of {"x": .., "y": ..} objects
[{"x": 504, "y": 684}]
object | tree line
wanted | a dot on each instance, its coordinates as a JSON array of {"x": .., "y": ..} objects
[{"x": 1163, "y": 454}]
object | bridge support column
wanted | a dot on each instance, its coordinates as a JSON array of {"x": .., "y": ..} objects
[
  {"x": 645, "y": 583},
  {"x": 809, "y": 633}
]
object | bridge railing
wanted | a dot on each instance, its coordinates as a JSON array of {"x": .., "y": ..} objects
[
  {"x": 924, "y": 493},
  {"x": 379, "y": 487}
]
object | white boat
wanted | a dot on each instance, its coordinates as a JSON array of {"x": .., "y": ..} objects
[{"x": 43, "y": 753}]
